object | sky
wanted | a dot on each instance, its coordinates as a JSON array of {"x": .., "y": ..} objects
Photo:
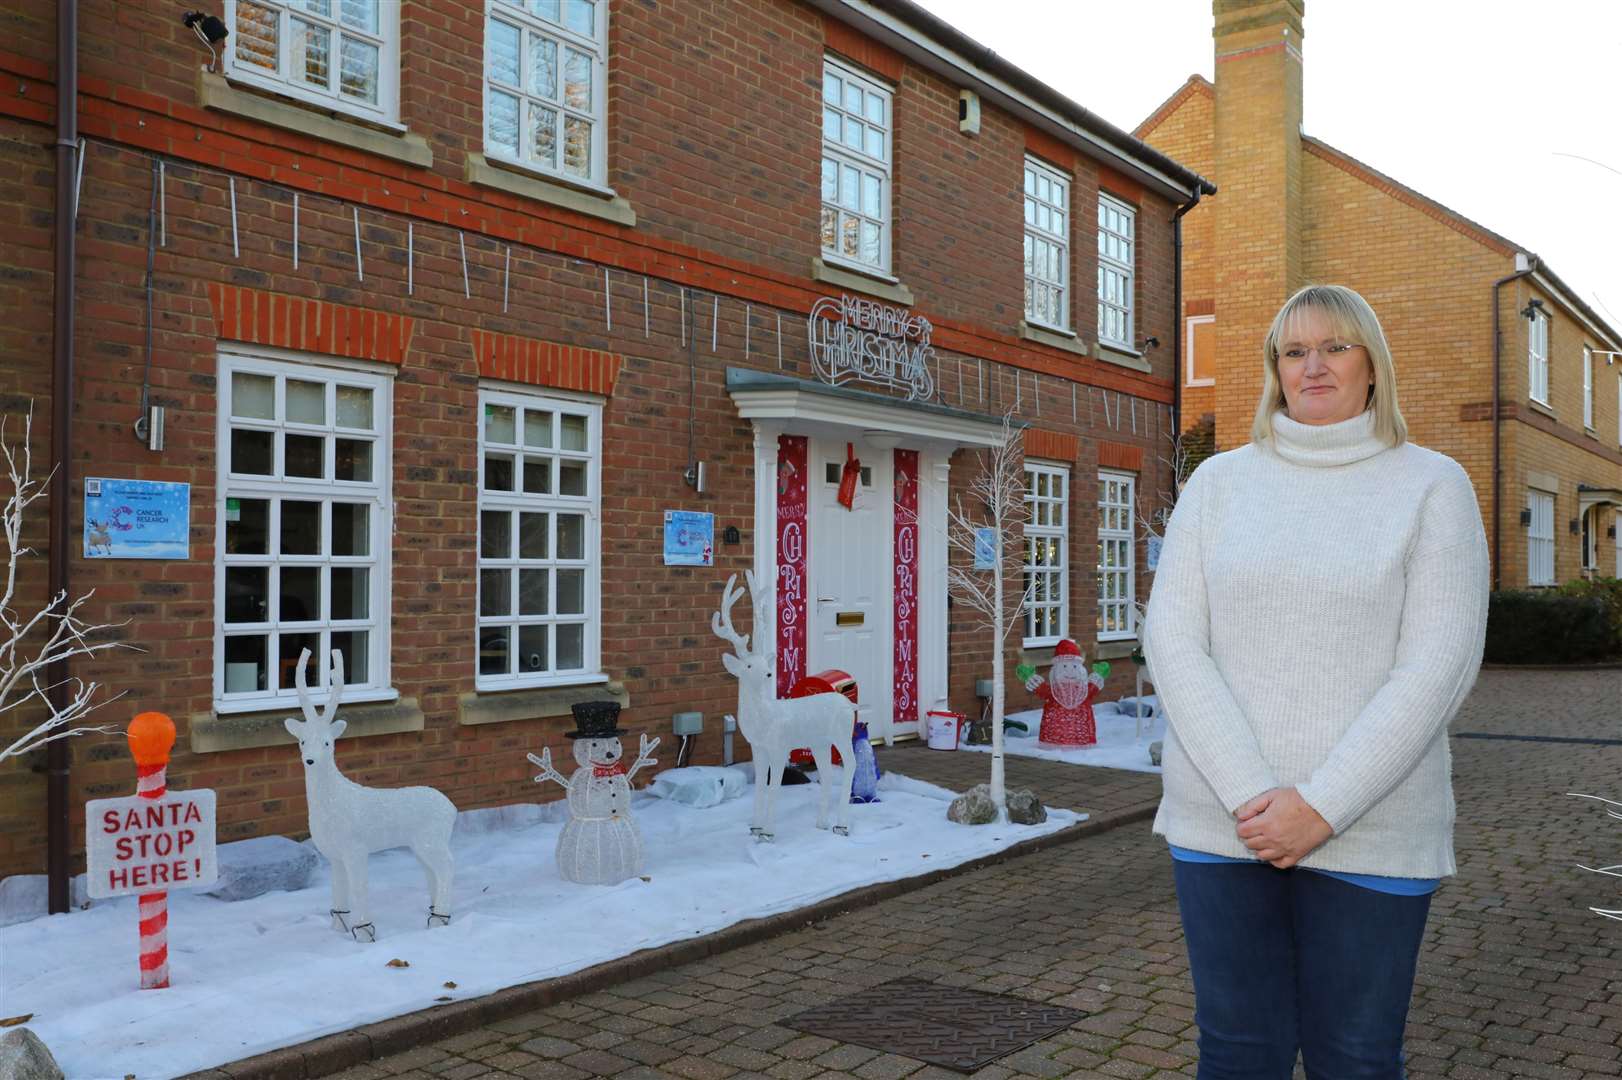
[{"x": 1509, "y": 113}]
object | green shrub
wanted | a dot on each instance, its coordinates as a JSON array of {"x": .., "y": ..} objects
[
  {"x": 1609, "y": 590},
  {"x": 1547, "y": 627}
]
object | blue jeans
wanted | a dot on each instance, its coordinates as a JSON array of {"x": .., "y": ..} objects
[{"x": 1288, "y": 960}]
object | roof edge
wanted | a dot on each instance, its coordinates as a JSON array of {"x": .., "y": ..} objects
[
  {"x": 1195, "y": 83},
  {"x": 1087, "y": 132}
]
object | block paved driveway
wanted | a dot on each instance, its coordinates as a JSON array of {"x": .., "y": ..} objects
[{"x": 1517, "y": 977}]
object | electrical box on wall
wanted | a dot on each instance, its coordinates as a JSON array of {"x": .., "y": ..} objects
[
  {"x": 687, "y": 723},
  {"x": 968, "y": 112}
]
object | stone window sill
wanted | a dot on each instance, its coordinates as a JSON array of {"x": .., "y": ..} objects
[
  {"x": 542, "y": 187},
  {"x": 885, "y": 288},
  {"x": 1054, "y": 339},
  {"x": 504, "y": 706},
  {"x": 215, "y": 92},
  {"x": 1123, "y": 358},
  {"x": 212, "y": 732},
  {"x": 1117, "y": 650},
  {"x": 1538, "y": 407}
]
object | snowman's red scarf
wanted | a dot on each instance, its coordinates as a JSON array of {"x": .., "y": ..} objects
[{"x": 616, "y": 768}]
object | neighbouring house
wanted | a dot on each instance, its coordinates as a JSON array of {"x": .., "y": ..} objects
[
  {"x": 1501, "y": 364},
  {"x": 462, "y": 315}
]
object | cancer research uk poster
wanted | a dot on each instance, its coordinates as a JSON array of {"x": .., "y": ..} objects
[{"x": 136, "y": 519}]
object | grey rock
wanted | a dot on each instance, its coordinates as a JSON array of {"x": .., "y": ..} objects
[
  {"x": 24, "y": 1057},
  {"x": 973, "y": 807},
  {"x": 1154, "y": 752},
  {"x": 24, "y": 897},
  {"x": 250, "y": 868},
  {"x": 1024, "y": 808}
]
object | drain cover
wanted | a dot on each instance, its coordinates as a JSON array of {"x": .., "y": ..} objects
[{"x": 943, "y": 1025}]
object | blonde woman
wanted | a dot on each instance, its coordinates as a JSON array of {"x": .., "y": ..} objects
[{"x": 1317, "y": 618}]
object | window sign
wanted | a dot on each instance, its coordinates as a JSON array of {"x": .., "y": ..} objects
[{"x": 136, "y": 519}]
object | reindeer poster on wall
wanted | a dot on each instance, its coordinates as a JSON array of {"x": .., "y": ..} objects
[{"x": 136, "y": 519}]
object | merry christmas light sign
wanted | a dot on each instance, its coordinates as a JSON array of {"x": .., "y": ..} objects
[{"x": 858, "y": 340}]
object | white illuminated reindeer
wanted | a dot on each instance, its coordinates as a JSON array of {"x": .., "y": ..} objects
[
  {"x": 773, "y": 726},
  {"x": 348, "y": 822}
]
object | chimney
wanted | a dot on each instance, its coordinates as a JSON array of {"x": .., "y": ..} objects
[{"x": 1258, "y": 166}]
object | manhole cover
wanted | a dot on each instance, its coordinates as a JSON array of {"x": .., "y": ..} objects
[{"x": 943, "y": 1025}]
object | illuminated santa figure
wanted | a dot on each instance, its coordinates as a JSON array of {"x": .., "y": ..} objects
[{"x": 1067, "y": 694}]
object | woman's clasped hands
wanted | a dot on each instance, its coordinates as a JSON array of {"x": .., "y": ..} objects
[{"x": 1279, "y": 827}]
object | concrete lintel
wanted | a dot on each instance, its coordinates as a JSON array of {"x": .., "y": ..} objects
[
  {"x": 533, "y": 185},
  {"x": 505, "y": 706},
  {"x": 212, "y": 733},
  {"x": 214, "y": 92}
]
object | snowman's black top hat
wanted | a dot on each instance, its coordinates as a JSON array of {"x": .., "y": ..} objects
[{"x": 595, "y": 720}]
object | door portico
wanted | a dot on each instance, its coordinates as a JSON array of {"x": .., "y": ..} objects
[{"x": 837, "y": 569}]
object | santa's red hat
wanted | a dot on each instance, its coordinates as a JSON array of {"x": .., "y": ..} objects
[{"x": 1066, "y": 648}]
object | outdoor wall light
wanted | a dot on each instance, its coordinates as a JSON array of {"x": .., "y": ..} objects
[
  {"x": 209, "y": 30},
  {"x": 1151, "y": 343},
  {"x": 1526, "y": 517},
  {"x": 1530, "y": 310},
  {"x": 1610, "y": 532},
  {"x": 1576, "y": 527}
]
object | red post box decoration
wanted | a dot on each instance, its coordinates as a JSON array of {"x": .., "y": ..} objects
[{"x": 832, "y": 681}]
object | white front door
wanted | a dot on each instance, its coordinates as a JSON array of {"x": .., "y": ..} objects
[{"x": 851, "y": 576}]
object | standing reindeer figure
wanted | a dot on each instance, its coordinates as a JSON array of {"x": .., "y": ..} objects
[
  {"x": 348, "y": 822},
  {"x": 773, "y": 726}
]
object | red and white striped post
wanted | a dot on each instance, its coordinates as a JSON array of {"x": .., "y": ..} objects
[{"x": 152, "y": 736}]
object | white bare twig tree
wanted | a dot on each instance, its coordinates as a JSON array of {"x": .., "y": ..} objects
[
  {"x": 1179, "y": 460},
  {"x": 996, "y": 502},
  {"x": 31, "y": 642}
]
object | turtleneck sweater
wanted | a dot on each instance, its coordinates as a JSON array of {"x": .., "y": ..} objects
[{"x": 1317, "y": 618}]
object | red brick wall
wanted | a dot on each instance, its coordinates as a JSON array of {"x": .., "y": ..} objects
[{"x": 714, "y": 121}]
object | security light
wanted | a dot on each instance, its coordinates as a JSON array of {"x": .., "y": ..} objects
[{"x": 209, "y": 30}]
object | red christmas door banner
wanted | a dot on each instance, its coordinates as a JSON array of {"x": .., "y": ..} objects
[
  {"x": 791, "y": 561},
  {"x": 906, "y": 586}
]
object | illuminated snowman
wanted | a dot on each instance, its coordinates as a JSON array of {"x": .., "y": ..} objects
[{"x": 601, "y": 844}]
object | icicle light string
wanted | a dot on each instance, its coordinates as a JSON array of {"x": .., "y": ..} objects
[{"x": 684, "y": 321}]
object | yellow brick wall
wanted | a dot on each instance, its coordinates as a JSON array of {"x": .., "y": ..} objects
[{"x": 1185, "y": 133}]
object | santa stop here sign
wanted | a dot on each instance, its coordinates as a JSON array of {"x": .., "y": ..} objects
[{"x": 140, "y": 845}]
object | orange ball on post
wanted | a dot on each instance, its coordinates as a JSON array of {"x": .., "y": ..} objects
[{"x": 152, "y": 736}]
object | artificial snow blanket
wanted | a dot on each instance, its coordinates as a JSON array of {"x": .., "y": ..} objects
[
  {"x": 270, "y": 972},
  {"x": 1118, "y": 746}
]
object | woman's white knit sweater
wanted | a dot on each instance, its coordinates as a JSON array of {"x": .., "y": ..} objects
[{"x": 1317, "y": 618}]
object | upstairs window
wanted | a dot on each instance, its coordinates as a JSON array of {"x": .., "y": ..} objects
[
  {"x": 856, "y": 126},
  {"x": 1047, "y": 246},
  {"x": 1537, "y": 357},
  {"x": 1588, "y": 388},
  {"x": 1117, "y": 224},
  {"x": 1201, "y": 351},
  {"x": 341, "y": 54},
  {"x": 545, "y": 104}
]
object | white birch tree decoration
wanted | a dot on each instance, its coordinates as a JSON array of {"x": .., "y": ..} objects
[
  {"x": 996, "y": 501},
  {"x": 31, "y": 643}
]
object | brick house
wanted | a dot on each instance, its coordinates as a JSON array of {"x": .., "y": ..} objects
[
  {"x": 450, "y": 298},
  {"x": 1457, "y": 301}
]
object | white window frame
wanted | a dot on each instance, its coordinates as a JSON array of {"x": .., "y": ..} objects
[
  {"x": 1588, "y": 530},
  {"x": 385, "y": 112},
  {"x": 1540, "y": 548},
  {"x": 1537, "y": 358},
  {"x": 1048, "y": 524},
  {"x": 376, "y": 494},
  {"x": 1619, "y": 419},
  {"x": 1110, "y": 262},
  {"x": 1044, "y": 243},
  {"x": 1616, "y": 525},
  {"x": 530, "y": 25},
  {"x": 553, "y": 503},
  {"x": 1588, "y": 387},
  {"x": 846, "y": 159},
  {"x": 1188, "y": 350},
  {"x": 1111, "y": 513}
]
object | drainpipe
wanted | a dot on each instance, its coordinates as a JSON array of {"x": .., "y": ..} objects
[
  {"x": 67, "y": 146},
  {"x": 1497, "y": 434},
  {"x": 1177, "y": 314}
]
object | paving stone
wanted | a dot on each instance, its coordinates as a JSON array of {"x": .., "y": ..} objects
[
  {"x": 1516, "y": 976},
  {"x": 598, "y": 1062}
]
